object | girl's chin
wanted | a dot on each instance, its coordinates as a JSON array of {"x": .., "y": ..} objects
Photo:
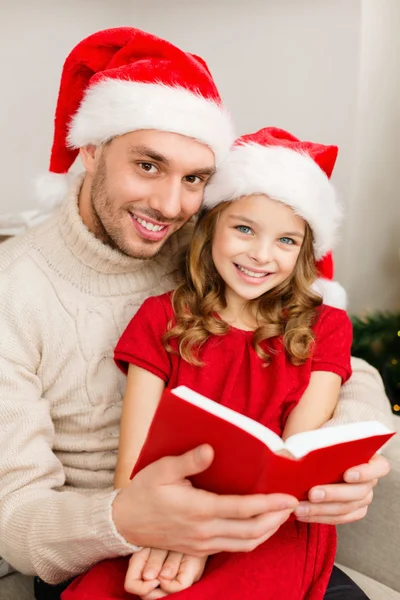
[{"x": 246, "y": 297}]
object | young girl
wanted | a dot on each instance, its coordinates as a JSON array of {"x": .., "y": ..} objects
[{"x": 247, "y": 327}]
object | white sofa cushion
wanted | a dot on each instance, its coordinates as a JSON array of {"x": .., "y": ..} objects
[{"x": 373, "y": 589}]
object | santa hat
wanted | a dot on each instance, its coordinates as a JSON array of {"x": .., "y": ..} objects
[
  {"x": 274, "y": 162},
  {"x": 121, "y": 80}
]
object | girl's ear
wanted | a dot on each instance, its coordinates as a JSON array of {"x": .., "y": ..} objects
[{"x": 88, "y": 156}]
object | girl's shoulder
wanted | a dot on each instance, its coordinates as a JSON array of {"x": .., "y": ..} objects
[
  {"x": 324, "y": 310},
  {"x": 158, "y": 306},
  {"x": 332, "y": 318},
  {"x": 154, "y": 312}
]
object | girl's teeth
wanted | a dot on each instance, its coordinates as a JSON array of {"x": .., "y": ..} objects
[
  {"x": 251, "y": 273},
  {"x": 148, "y": 226}
]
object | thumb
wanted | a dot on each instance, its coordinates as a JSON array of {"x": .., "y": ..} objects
[{"x": 172, "y": 469}]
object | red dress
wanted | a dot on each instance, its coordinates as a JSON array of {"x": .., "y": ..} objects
[{"x": 296, "y": 562}]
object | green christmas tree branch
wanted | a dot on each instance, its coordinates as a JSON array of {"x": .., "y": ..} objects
[{"x": 376, "y": 339}]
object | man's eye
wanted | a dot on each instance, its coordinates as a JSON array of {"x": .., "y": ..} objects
[
  {"x": 286, "y": 240},
  {"x": 192, "y": 179},
  {"x": 148, "y": 167},
  {"x": 244, "y": 229}
]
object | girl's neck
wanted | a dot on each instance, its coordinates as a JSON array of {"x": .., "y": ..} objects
[{"x": 239, "y": 316}]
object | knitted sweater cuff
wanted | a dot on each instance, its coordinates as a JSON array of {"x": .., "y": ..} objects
[{"x": 106, "y": 530}]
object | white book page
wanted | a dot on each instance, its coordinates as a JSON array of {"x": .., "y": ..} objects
[
  {"x": 257, "y": 430},
  {"x": 298, "y": 444},
  {"x": 301, "y": 444}
]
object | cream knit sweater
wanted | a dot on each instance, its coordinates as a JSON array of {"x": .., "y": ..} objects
[{"x": 65, "y": 299}]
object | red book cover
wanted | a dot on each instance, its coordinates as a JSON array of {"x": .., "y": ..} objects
[{"x": 245, "y": 459}]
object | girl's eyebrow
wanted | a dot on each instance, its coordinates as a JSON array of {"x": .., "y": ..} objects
[
  {"x": 293, "y": 234},
  {"x": 242, "y": 218}
]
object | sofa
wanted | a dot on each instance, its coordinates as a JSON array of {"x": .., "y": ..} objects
[{"x": 368, "y": 551}]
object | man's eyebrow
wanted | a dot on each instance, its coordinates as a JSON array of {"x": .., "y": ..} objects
[
  {"x": 204, "y": 171},
  {"x": 147, "y": 152}
]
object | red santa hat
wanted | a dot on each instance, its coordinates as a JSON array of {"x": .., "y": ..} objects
[
  {"x": 121, "y": 80},
  {"x": 274, "y": 162}
]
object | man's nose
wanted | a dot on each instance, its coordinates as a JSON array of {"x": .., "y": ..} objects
[{"x": 167, "y": 200}]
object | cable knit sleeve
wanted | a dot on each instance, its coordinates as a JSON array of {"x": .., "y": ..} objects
[{"x": 44, "y": 531}]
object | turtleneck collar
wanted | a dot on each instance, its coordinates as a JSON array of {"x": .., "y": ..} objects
[{"x": 77, "y": 255}]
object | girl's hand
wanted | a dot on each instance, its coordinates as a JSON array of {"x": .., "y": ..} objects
[
  {"x": 179, "y": 575},
  {"x": 143, "y": 570},
  {"x": 154, "y": 573}
]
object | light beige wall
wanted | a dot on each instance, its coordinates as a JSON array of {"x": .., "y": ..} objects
[
  {"x": 372, "y": 274},
  {"x": 35, "y": 38},
  {"x": 289, "y": 63}
]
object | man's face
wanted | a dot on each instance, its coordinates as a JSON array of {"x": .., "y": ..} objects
[{"x": 144, "y": 186}]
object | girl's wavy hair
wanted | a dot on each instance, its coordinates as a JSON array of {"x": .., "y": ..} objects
[{"x": 288, "y": 310}]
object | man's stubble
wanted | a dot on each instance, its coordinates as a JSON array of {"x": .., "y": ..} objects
[{"x": 105, "y": 222}]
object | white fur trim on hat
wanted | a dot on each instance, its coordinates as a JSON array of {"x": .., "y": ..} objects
[
  {"x": 51, "y": 189},
  {"x": 285, "y": 175},
  {"x": 114, "y": 107},
  {"x": 333, "y": 294}
]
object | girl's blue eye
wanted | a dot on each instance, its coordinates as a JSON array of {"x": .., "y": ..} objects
[
  {"x": 286, "y": 240},
  {"x": 244, "y": 229}
]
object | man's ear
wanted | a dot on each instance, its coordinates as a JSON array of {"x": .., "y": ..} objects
[{"x": 88, "y": 156}]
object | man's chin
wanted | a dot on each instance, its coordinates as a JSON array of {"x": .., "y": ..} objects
[{"x": 144, "y": 250}]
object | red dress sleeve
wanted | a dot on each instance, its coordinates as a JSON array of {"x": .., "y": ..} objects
[
  {"x": 333, "y": 339},
  {"x": 141, "y": 343}
]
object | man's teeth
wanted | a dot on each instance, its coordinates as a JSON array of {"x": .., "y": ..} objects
[
  {"x": 251, "y": 273},
  {"x": 148, "y": 226}
]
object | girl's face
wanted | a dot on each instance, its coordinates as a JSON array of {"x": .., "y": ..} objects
[{"x": 255, "y": 246}]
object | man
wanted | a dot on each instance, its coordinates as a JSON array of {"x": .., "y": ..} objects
[{"x": 148, "y": 123}]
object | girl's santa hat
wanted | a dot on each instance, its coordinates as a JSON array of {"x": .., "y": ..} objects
[
  {"x": 275, "y": 163},
  {"x": 121, "y": 80}
]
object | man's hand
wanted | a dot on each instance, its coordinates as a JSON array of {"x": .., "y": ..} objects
[
  {"x": 160, "y": 509},
  {"x": 344, "y": 502}
]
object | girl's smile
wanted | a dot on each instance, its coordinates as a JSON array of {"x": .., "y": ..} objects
[
  {"x": 252, "y": 276},
  {"x": 255, "y": 246}
]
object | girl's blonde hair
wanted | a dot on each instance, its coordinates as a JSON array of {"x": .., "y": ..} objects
[{"x": 288, "y": 310}]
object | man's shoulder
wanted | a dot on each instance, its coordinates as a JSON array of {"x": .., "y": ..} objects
[
  {"x": 19, "y": 259},
  {"x": 15, "y": 252}
]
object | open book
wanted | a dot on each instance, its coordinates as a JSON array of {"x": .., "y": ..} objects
[{"x": 246, "y": 459}]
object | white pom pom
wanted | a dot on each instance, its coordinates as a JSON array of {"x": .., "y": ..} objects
[
  {"x": 333, "y": 294},
  {"x": 51, "y": 189}
]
